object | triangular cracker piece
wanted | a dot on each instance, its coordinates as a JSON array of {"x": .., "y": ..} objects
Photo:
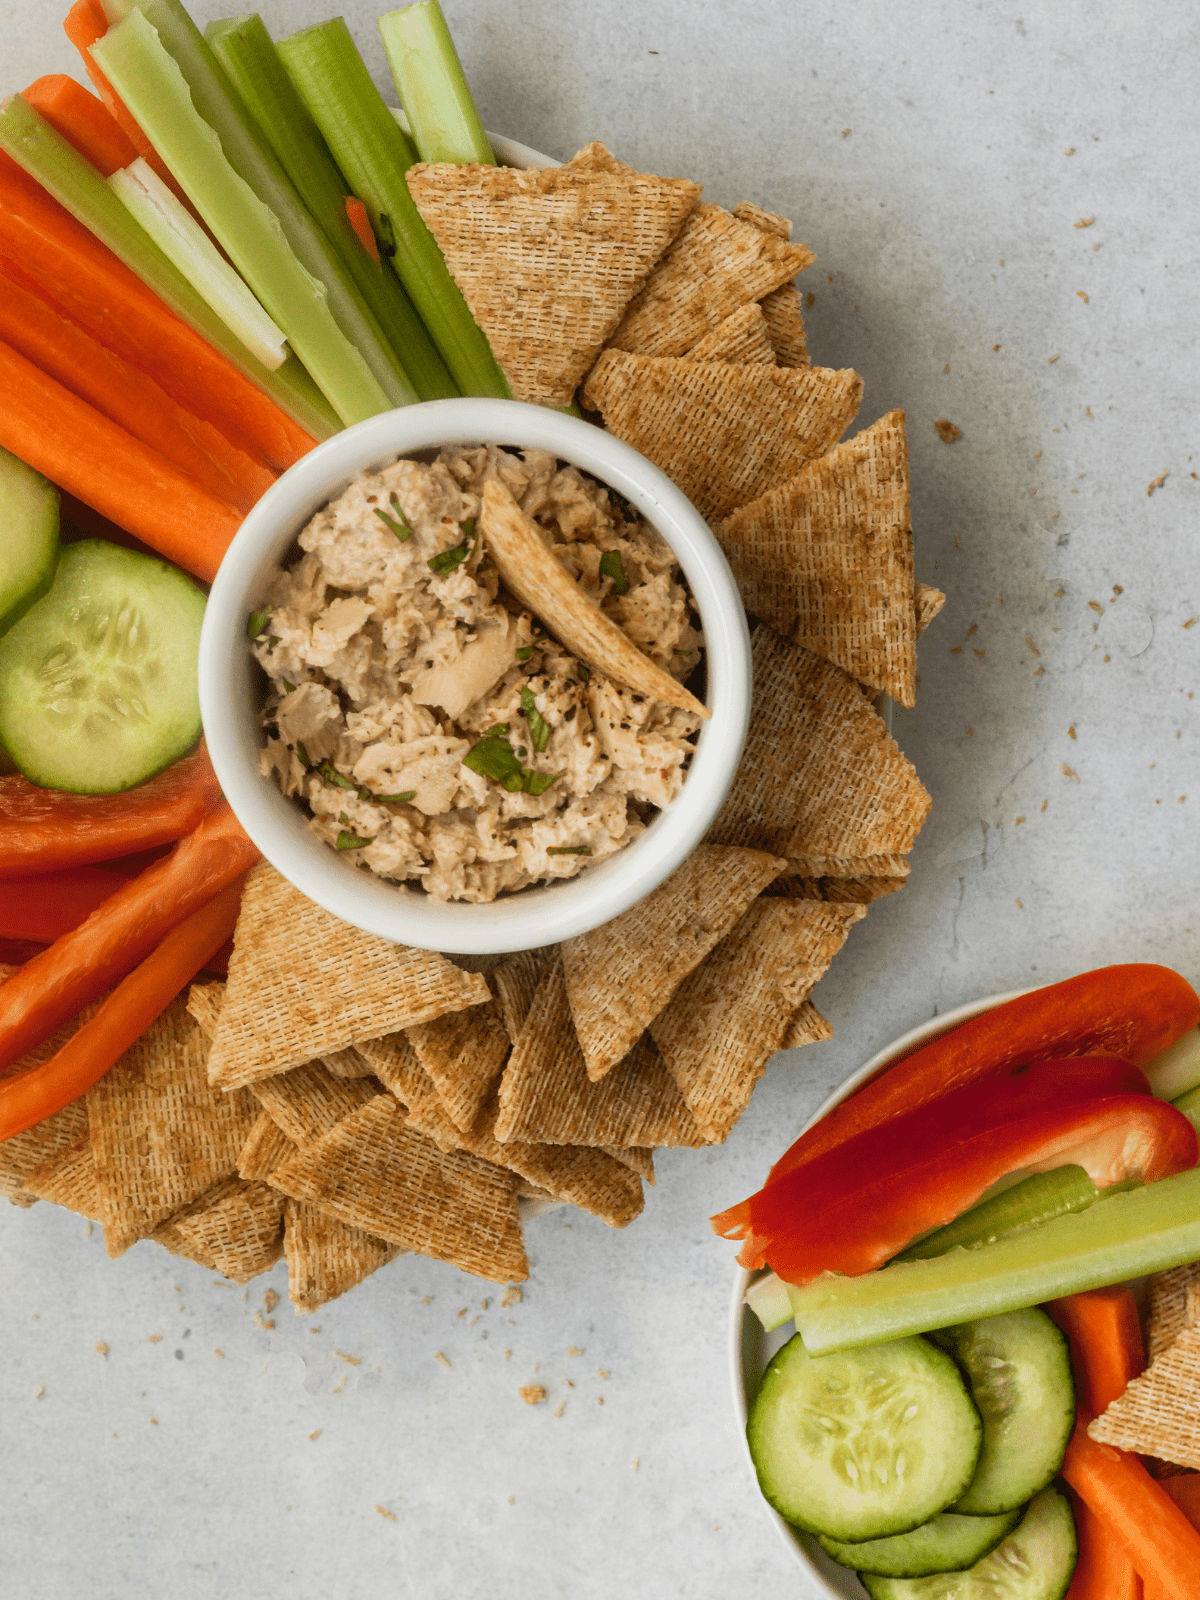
[
  {"x": 638, "y": 1158},
  {"x": 303, "y": 984},
  {"x": 928, "y": 602},
  {"x": 785, "y": 325},
  {"x": 307, "y": 1101},
  {"x": 732, "y": 1014},
  {"x": 204, "y": 1004},
  {"x": 548, "y": 259},
  {"x": 162, "y": 1136},
  {"x": 266, "y": 1148},
  {"x": 392, "y": 1182},
  {"x": 325, "y": 1257},
  {"x": 765, "y": 221},
  {"x": 1170, "y": 1307},
  {"x": 515, "y": 981},
  {"x": 1159, "y": 1413},
  {"x": 68, "y": 1178},
  {"x": 463, "y": 1054},
  {"x": 826, "y": 558},
  {"x": 725, "y": 433},
  {"x": 398, "y": 1067},
  {"x": 856, "y": 891},
  {"x": 808, "y": 1026},
  {"x": 717, "y": 263},
  {"x": 820, "y": 774},
  {"x": 621, "y": 975},
  {"x": 236, "y": 1229},
  {"x": 892, "y": 865},
  {"x": 23, "y": 1153},
  {"x": 741, "y": 337},
  {"x": 346, "y": 1064},
  {"x": 546, "y": 1096}
]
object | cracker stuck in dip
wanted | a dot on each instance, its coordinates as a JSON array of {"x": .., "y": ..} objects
[{"x": 431, "y": 726}]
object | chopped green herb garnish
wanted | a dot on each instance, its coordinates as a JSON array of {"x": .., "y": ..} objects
[
  {"x": 524, "y": 653},
  {"x": 446, "y": 560},
  {"x": 494, "y": 757},
  {"x": 274, "y": 639},
  {"x": 331, "y": 775},
  {"x": 342, "y": 817},
  {"x": 398, "y": 523},
  {"x": 289, "y": 686},
  {"x": 258, "y": 622},
  {"x": 539, "y": 782},
  {"x": 622, "y": 505},
  {"x": 683, "y": 652},
  {"x": 351, "y": 841},
  {"x": 569, "y": 850},
  {"x": 539, "y": 728},
  {"x": 304, "y": 755},
  {"x": 395, "y": 799},
  {"x": 610, "y": 567},
  {"x": 585, "y": 673}
]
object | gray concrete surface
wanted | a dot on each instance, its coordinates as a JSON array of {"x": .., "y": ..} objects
[{"x": 939, "y": 158}]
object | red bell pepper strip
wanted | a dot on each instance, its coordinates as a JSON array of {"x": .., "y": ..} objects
[
  {"x": 134, "y": 1004},
  {"x": 79, "y": 967},
  {"x": 1130, "y": 1011},
  {"x": 46, "y": 907},
  {"x": 44, "y": 830},
  {"x": 856, "y": 1207}
]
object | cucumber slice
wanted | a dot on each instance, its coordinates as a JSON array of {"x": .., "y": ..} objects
[
  {"x": 946, "y": 1543},
  {"x": 98, "y": 679},
  {"x": 1034, "y": 1563},
  {"x": 1019, "y": 1369},
  {"x": 28, "y": 537},
  {"x": 1027, "y": 1204},
  {"x": 863, "y": 1444}
]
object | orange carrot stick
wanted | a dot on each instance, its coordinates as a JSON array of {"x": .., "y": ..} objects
[
  {"x": 1157, "y": 1537},
  {"x": 360, "y": 221},
  {"x": 128, "y": 397},
  {"x": 1105, "y": 1335},
  {"x": 1185, "y": 1491},
  {"x": 61, "y": 437},
  {"x": 83, "y": 121},
  {"x": 1104, "y": 1570},
  {"x": 82, "y": 964},
  {"x": 133, "y": 1005},
  {"x": 55, "y": 257}
]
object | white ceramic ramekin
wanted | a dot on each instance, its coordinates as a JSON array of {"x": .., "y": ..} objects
[
  {"x": 231, "y": 684},
  {"x": 750, "y": 1348}
]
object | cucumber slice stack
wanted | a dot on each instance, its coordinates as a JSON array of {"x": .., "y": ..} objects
[
  {"x": 930, "y": 1479},
  {"x": 28, "y": 537}
]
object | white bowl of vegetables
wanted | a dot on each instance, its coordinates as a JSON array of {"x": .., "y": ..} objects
[{"x": 918, "y": 1426}]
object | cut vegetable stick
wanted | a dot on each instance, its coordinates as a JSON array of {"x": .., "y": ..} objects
[
  {"x": 1104, "y": 1570},
  {"x": 133, "y": 1005},
  {"x": 1156, "y": 1535},
  {"x": 61, "y": 437},
  {"x": 1105, "y": 1335},
  {"x": 128, "y": 397},
  {"x": 432, "y": 86},
  {"x": 140, "y": 306},
  {"x": 54, "y": 986},
  {"x": 46, "y": 907},
  {"x": 1185, "y": 1491},
  {"x": 83, "y": 121},
  {"x": 44, "y": 830}
]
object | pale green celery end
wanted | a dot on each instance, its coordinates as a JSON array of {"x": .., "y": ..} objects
[
  {"x": 149, "y": 80},
  {"x": 257, "y": 74},
  {"x": 769, "y": 1301},
  {"x": 1147, "y": 1230},
  {"x": 1189, "y": 1104},
  {"x": 432, "y": 86},
  {"x": 37, "y": 147},
  {"x": 374, "y": 153}
]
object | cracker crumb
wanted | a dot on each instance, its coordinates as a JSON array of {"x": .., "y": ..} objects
[
  {"x": 438, "y": 1356},
  {"x": 154, "y": 1422},
  {"x": 1094, "y": 605},
  {"x": 38, "y": 1393},
  {"x": 1069, "y": 772},
  {"x": 810, "y": 300},
  {"x": 512, "y": 1296},
  {"x": 601, "y": 1372},
  {"x": 956, "y": 650},
  {"x": 845, "y": 132},
  {"x": 946, "y": 431},
  {"x": 1050, "y": 360},
  {"x": 981, "y": 654},
  {"x": 390, "y": 1515},
  {"x": 633, "y": 1465},
  {"x": 463, "y": 1312},
  {"x": 599, "y": 1399},
  {"x": 996, "y": 347},
  {"x": 507, "y": 1354},
  {"x": 314, "y": 1329},
  {"x": 1017, "y": 821},
  {"x": 1182, "y": 798},
  {"x": 217, "y": 1352},
  {"x": 1158, "y": 482},
  {"x": 1032, "y": 646},
  {"x": 1071, "y": 732},
  {"x": 532, "y": 1393},
  {"x": 568, "y": 1383},
  {"x": 1039, "y": 672},
  {"x": 484, "y": 1304},
  {"x": 1117, "y": 589},
  {"x": 427, "y": 1300},
  {"x": 35, "y": 1316},
  {"x": 1085, "y": 222},
  {"x": 355, "y": 1361},
  {"x": 512, "y": 1498},
  {"x": 560, "y": 1408},
  {"x": 316, "y": 1433},
  {"x": 1020, "y": 905},
  {"x": 1069, "y": 152},
  {"x": 154, "y": 1338},
  {"x": 1191, "y": 622},
  {"x": 574, "y": 1349},
  {"x": 101, "y": 1349},
  {"x": 1082, "y": 296},
  {"x": 970, "y": 733},
  {"x": 270, "y": 1301},
  {"x": 266, "y": 1323}
]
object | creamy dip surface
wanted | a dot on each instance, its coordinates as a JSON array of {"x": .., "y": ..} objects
[{"x": 431, "y": 727}]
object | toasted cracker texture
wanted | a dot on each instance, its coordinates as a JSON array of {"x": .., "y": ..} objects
[
  {"x": 266, "y": 1147},
  {"x": 68, "y": 1178},
  {"x": 515, "y": 981},
  {"x": 235, "y": 1229},
  {"x": 928, "y": 602},
  {"x": 1171, "y": 1309},
  {"x": 741, "y": 337},
  {"x": 783, "y": 311},
  {"x": 307, "y": 1101},
  {"x": 1159, "y": 1413},
  {"x": 398, "y": 1067},
  {"x": 807, "y": 1026},
  {"x": 326, "y": 1257},
  {"x": 765, "y": 221},
  {"x": 23, "y": 1153},
  {"x": 463, "y": 1054}
]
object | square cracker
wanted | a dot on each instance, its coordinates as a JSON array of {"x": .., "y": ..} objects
[
  {"x": 929, "y": 602},
  {"x": 463, "y": 1054},
  {"x": 68, "y": 1178},
  {"x": 162, "y": 1135},
  {"x": 266, "y": 1148},
  {"x": 727, "y": 1019},
  {"x": 547, "y": 1097},
  {"x": 784, "y": 316},
  {"x": 1159, "y": 1413},
  {"x": 303, "y": 984},
  {"x": 548, "y": 259},
  {"x": 725, "y": 432},
  {"x": 308, "y": 1101},
  {"x": 373, "y": 1172},
  {"x": 621, "y": 975},
  {"x": 326, "y": 1257},
  {"x": 398, "y": 1067},
  {"x": 741, "y": 337},
  {"x": 820, "y": 774},
  {"x": 717, "y": 263},
  {"x": 807, "y": 1026},
  {"x": 826, "y": 558},
  {"x": 235, "y": 1229}
]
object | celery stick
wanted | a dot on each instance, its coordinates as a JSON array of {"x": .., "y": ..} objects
[
  {"x": 182, "y": 240},
  {"x": 30, "y": 140},
  {"x": 247, "y": 52},
  {"x": 374, "y": 154},
  {"x": 1146, "y": 1230},
  {"x": 1028, "y": 1204},
  {"x": 1177, "y": 1069},
  {"x": 768, "y": 1299},
  {"x": 237, "y": 186},
  {"x": 432, "y": 86}
]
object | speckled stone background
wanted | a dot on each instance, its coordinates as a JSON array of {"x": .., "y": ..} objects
[{"x": 940, "y": 159}]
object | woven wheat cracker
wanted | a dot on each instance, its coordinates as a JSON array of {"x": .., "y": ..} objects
[
  {"x": 859, "y": 890},
  {"x": 1159, "y": 1413},
  {"x": 325, "y": 1257},
  {"x": 621, "y": 975},
  {"x": 826, "y": 558},
  {"x": 765, "y": 221},
  {"x": 398, "y": 1067},
  {"x": 892, "y": 865},
  {"x": 717, "y": 263},
  {"x": 820, "y": 774},
  {"x": 725, "y": 432},
  {"x": 162, "y": 1135},
  {"x": 515, "y": 980},
  {"x": 782, "y": 309},
  {"x": 928, "y": 602},
  {"x": 741, "y": 337},
  {"x": 346, "y": 1064},
  {"x": 23, "y": 1153},
  {"x": 236, "y": 1229},
  {"x": 729, "y": 1017},
  {"x": 1170, "y": 1311},
  {"x": 266, "y": 1148},
  {"x": 581, "y": 1176},
  {"x": 638, "y": 1158},
  {"x": 463, "y": 1054},
  {"x": 307, "y": 1101},
  {"x": 807, "y": 1026},
  {"x": 548, "y": 259},
  {"x": 68, "y": 1178},
  {"x": 302, "y": 984},
  {"x": 546, "y": 1096},
  {"x": 204, "y": 1006},
  {"x": 374, "y": 1173}
]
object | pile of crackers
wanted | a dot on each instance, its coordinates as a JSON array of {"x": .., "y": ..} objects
[
  {"x": 340, "y": 1099},
  {"x": 1159, "y": 1414}
]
